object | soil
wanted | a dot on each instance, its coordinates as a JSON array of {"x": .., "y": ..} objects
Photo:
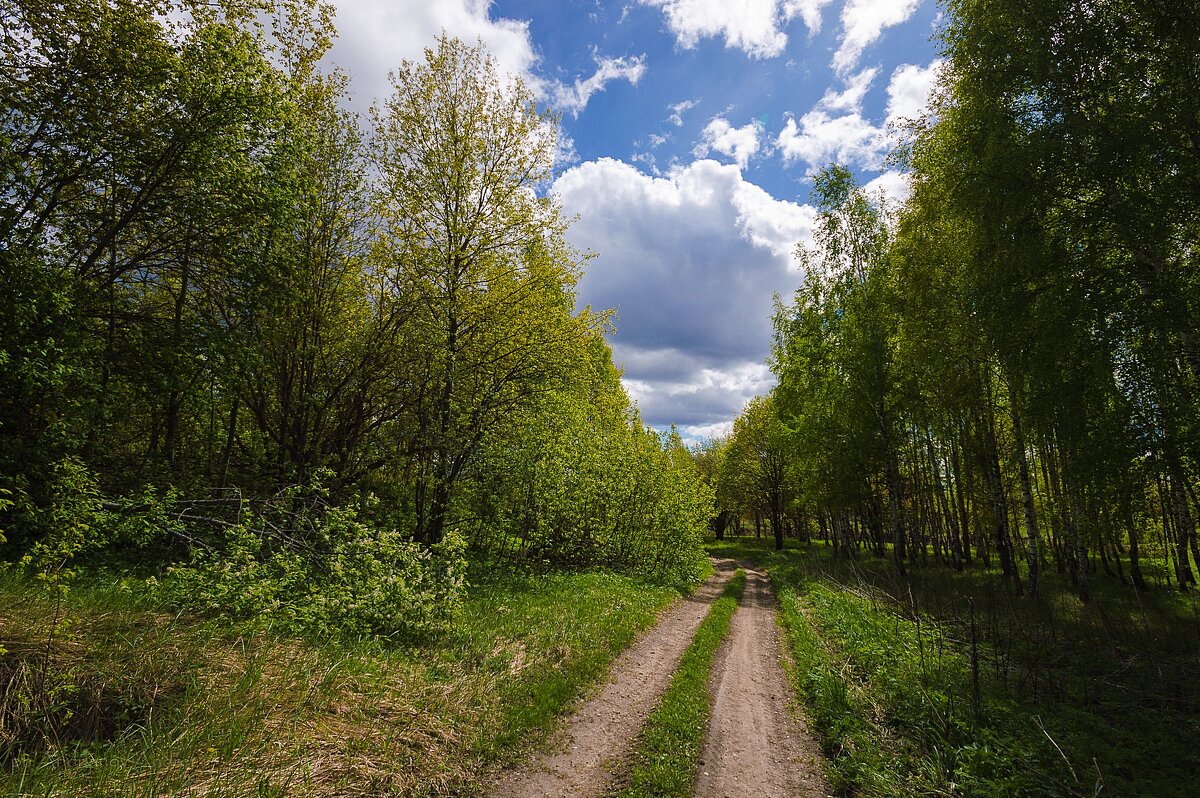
[
  {"x": 758, "y": 745},
  {"x": 590, "y": 751}
]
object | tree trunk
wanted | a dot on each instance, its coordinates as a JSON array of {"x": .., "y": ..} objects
[
  {"x": 993, "y": 482},
  {"x": 951, "y": 518},
  {"x": 1031, "y": 527},
  {"x": 1184, "y": 531},
  {"x": 1079, "y": 564},
  {"x": 1135, "y": 567}
]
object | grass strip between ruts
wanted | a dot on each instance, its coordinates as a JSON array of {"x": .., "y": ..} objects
[{"x": 669, "y": 748}]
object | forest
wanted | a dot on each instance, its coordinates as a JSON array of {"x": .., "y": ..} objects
[
  {"x": 1007, "y": 367},
  {"x": 253, "y": 339},
  {"x": 304, "y": 435}
]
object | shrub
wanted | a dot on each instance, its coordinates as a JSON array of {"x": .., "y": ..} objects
[{"x": 322, "y": 569}]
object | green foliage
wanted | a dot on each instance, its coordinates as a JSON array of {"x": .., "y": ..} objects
[
  {"x": 753, "y": 469},
  {"x": 477, "y": 256},
  {"x": 344, "y": 576},
  {"x": 888, "y": 668},
  {"x": 73, "y": 522},
  {"x": 211, "y": 282},
  {"x": 580, "y": 481},
  {"x": 668, "y": 752},
  {"x": 175, "y": 702}
]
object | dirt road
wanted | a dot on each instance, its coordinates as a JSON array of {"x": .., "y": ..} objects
[
  {"x": 756, "y": 747},
  {"x": 591, "y": 749}
]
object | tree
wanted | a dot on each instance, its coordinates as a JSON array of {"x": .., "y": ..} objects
[
  {"x": 131, "y": 136},
  {"x": 710, "y": 458},
  {"x": 462, "y": 153},
  {"x": 756, "y": 459},
  {"x": 842, "y": 321}
]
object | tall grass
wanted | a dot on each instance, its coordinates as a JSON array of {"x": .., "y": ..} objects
[{"x": 187, "y": 706}]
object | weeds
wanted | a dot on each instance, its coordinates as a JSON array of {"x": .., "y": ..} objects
[{"x": 194, "y": 707}]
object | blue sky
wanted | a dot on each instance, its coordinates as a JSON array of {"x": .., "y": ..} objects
[{"x": 690, "y": 130}]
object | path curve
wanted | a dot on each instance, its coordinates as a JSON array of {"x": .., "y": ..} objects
[
  {"x": 590, "y": 750},
  {"x": 756, "y": 746}
]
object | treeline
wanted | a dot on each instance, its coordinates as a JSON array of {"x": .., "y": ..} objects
[
  {"x": 236, "y": 321},
  {"x": 1007, "y": 368}
]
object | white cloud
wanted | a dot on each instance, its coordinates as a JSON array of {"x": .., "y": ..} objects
[
  {"x": 909, "y": 90},
  {"x": 752, "y": 26},
  {"x": 820, "y": 138},
  {"x": 892, "y": 186},
  {"x": 850, "y": 98},
  {"x": 564, "y": 149},
  {"x": 699, "y": 433},
  {"x": 374, "y": 36},
  {"x": 863, "y": 21},
  {"x": 739, "y": 143},
  {"x": 823, "y": 135},
  {"x": 573, "y": 99},
  {"x": 679, "y": 389},
  {"x": 808, "y": 10},
  {"x": 676, "y": 117},
  {"x": 690, "y": 261}
]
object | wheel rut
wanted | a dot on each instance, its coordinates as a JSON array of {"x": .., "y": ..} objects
[
  {"x": 590, "y": 751},
  {"x": 756, "y": 746}
]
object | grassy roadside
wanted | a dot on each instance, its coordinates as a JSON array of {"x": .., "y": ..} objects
[
  {"x": 669, "y": 748},
  {"x": 165, "y": 705},
  {"x": 910, "y": 697}
]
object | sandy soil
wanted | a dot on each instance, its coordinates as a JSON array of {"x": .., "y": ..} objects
[
  {"x": 757, "y": 746},
  {"x": 591, "y": 749}
]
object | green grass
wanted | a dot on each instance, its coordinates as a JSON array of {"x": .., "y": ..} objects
[
  {"x": 1073, "y": 699},
  {"x": 182, "y": 705},
  {"x": 669, "y": 748}
]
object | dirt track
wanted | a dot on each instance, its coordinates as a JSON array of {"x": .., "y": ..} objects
[
  {"x": 756, "y": 746},
  {"x": 591, "y": 749}
]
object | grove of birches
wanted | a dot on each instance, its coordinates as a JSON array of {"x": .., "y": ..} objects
[{"x": 284, "y": 360}]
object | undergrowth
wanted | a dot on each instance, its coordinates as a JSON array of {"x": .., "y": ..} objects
[
  {"x": 669, "y": 748},
  {"x": 147, "y": 703},
  {"x": 943, "y": 684}
]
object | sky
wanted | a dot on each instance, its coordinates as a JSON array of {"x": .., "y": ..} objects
[{"x": 690, "y": 133}]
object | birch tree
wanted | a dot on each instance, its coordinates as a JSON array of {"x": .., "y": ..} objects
[{"x": 464, "y": 156}]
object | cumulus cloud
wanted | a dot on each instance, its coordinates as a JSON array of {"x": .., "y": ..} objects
[
  {"x": 836, "y": 129},
  {"x": 690, "y": 261},
  {"x": 807, "y": 10},
  {"x": 709, "y": 396},
  {"x": 893, "y": 186},
  {"x": 574, "y": 98},
  {"x": 909, "y": 90},
  {"x": 376, "y": 35},
  {"x": 698, "y": 433},
  {"x": 564, "y": 149},
  {"x": 738, "y": 143},
  {"x": 863, "y": 21},
  {"x": 818, "y": 138},
  {"x": 850, "y": 98},
  {"x": 752, "y": 26}
]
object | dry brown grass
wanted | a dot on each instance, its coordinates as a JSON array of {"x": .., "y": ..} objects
[{"x": 199, "y": 709}]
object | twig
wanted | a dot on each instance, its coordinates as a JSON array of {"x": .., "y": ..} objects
[{"x": 1038, "y": 720}]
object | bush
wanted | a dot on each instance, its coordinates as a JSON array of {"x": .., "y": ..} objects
[{"x": 322, "y": 569}]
